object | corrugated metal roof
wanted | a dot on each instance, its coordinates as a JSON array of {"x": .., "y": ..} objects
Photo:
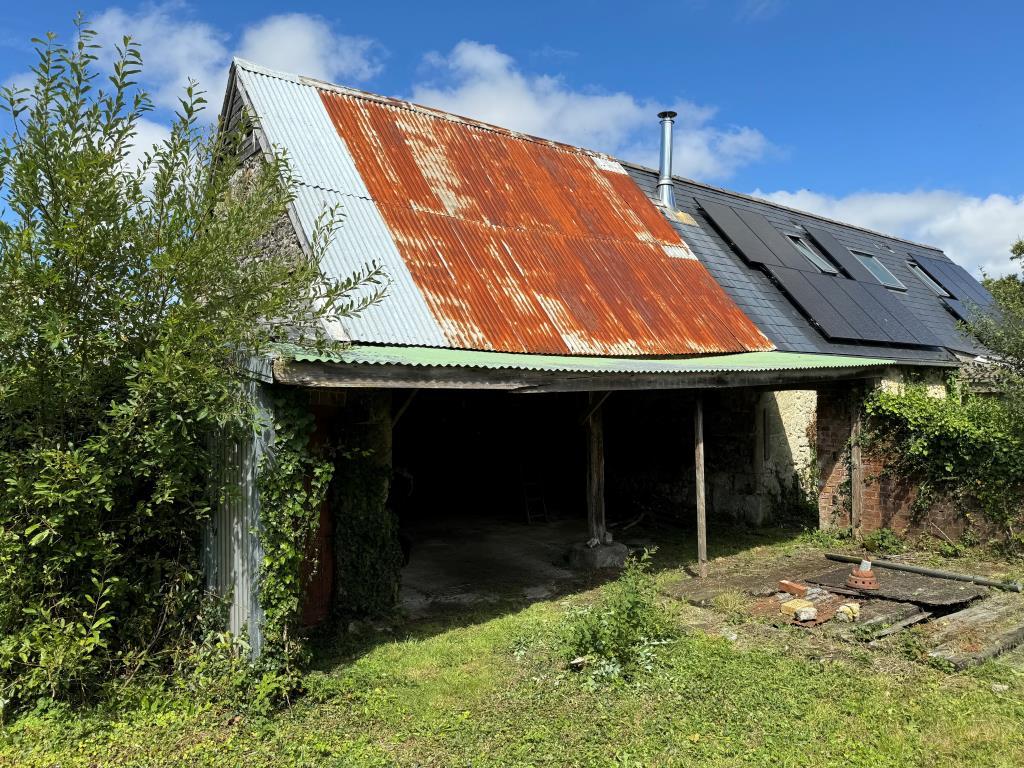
[
  {"x": 493, "y": 240},
  {"x": 458, "y": 358}
]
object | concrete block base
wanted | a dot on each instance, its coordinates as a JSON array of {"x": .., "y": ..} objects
[{"x": 601, "y": 557}]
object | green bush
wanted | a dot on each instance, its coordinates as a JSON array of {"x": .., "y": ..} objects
[
  {"x": 134, "y": 295},
  {"x": 617, "y": 636},
  {"x": 965, "y": 450},
  {"x": 884, "y": 541}
]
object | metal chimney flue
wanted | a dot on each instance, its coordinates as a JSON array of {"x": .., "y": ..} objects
[{"x": 666, "y": 193}]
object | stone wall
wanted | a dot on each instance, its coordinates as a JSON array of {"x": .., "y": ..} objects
[{"x": 784, "y": 451}]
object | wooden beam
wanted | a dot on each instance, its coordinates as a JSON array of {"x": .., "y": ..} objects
[
  {"x": 772, "y": 380},
  {"x": 403, "y": 408},
  {"x": 595, "y": 472},
  {"x": 856, "y": 473},
  {"x": 593, "y": 406},
  {"x": 702, "y": 521}
]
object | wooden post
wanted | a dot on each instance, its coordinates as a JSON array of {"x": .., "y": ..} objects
[
  {"x": 702, "y": 521},
  {"x": 856, "y": 474},
  {"x": 595, "y": 473}
]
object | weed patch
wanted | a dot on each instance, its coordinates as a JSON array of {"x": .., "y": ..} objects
[{"x": 616, "y": 637}]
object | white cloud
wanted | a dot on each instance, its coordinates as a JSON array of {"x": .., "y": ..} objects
[
  {"x": 149, "y": 133},
  {"x": 19, "y": 80},
  {"x": 479, "y": 81},
  {"x": 306, "y": 45},
  {"x": 975, "y": 231},
  {"x": 174, "y": 49},
  {"x": 758, "y": 10}
]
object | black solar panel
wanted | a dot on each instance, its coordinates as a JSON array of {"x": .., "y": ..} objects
[
  {"x": 854, "y": 309},
  {"x": 812, "y": 303},
  {"x": 958, "y": 309},
  {"x": 955, "y": 279},
  {"x": 777, "y": 243},
  {"x": 736, "y": 232},
  {"x": 877, "y": 311},
  {"x": 918, "y": 333},
  {"x": 848, "y": 298},
  {"x": 840, "y": 254}
]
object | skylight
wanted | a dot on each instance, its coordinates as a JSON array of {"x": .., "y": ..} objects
[
  {"x": 813, "y": 256},
  {"x": 875, "y": 266},
  {"x": 925, "y": 278}
]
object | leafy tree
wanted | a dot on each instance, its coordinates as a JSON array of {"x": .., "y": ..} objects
[
  {"x": 1003, "y": 331},
  {"x": 133, "y": 294}
]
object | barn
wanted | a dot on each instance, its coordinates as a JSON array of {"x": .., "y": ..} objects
[{"x": 572, "y": 347}]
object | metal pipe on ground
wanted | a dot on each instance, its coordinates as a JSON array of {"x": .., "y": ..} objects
[{"x": 1010, "y": 586}]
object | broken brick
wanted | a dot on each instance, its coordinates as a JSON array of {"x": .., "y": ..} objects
[{"x": 799, "y": 590}]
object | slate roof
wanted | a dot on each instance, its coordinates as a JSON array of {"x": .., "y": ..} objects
[{"x": 766, "y": 304}]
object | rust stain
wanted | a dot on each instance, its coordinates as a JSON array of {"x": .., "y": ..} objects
[{"x": 523, "y": 245}]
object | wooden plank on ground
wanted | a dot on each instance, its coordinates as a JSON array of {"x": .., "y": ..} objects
[{"x": 977, "y": 633}]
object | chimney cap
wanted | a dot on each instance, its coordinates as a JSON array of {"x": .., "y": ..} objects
[{"x": 668, "y": 114}]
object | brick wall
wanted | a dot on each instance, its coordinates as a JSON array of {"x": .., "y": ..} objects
[
  {"x": 833, "y": 426},
  {"x": 887, "y": 501}
]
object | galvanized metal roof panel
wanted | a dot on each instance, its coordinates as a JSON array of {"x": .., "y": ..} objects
[
  {"x": 458, "y": 358},
  {"x": 291, "y": 115},
  {"x": 403, "y": 317},
  {"x": 494, "y": 240}
]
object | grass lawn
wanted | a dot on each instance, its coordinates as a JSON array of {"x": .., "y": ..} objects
[{"x": 493, "y": 690}]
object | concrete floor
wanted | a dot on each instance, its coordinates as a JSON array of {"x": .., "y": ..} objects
[{"x": 465, "y": 563}]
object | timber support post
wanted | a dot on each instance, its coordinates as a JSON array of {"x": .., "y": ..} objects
[
  {"x": 702, "y": 522},
  {"x": 856, "y": 474},
  {"x": 597, "y": 531}
]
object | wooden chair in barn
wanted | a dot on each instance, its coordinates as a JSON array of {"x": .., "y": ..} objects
[{"x": 534, "y": 503}]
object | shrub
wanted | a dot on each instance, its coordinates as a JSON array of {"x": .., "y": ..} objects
[
  {"x": 965, "y": 449},
  {"x": 884, "y": 541},
  {"x": 617, "y": 635},
  {"x": 134, "y": 294}
]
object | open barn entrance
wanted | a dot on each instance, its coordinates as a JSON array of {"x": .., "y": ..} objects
[
  {"x": 474, "y": 496},
  {"x": 489, "y": 489}
]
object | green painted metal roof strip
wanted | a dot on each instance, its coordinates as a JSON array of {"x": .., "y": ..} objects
[{"x": 460, "y": 358}]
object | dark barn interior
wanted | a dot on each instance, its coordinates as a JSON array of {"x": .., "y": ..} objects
[
  {"x": 488, "y": 490},
  {"x": 488, "y": 456}
]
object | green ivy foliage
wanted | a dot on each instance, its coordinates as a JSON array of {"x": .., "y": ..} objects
[
  {"x": 366, "y": 545},
  {"x": 964, "y": 449},
  {"x": 368, "y": 554},
  {"x": 967, "y": 449},
  {"x": 292, "y": 485}
]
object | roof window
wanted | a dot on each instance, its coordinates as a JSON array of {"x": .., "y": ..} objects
[
  {"x": 805, "y": 248},
  {"x": 925, "y": 278},
  {"x": 881, "y": 273}
]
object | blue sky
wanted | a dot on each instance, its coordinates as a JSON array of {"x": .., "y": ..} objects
[{"x": 905, "y": 117}]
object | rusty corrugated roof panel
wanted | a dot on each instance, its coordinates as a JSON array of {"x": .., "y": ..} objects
[{"x": 508, "y": 243}]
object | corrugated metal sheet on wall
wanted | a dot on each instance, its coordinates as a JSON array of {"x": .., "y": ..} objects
[
  {"x": 232, "y": 552},
  {"x": 493, "y": 240}
]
